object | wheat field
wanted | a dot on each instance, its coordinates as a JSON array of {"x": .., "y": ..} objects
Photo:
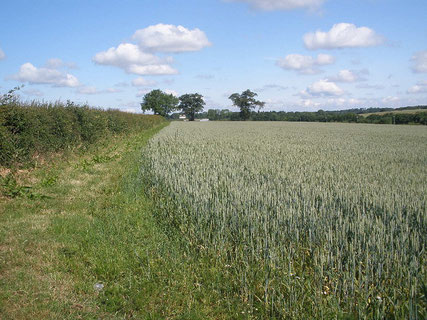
[{"x": 307, "y": 220}]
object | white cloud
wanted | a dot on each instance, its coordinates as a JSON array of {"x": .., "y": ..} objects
[
  {"x": 340, "y": 103},
  {"x": 133, "y": 110},
  {"x": 390, "y": 100},
  {"x": 94, "y": 90},
  {"x": 170, "y": 38},
  {"x": 269, "y": 5},
  {"x": 305, "y": 64},
  {"x": 56, "y": 63},
  {"x": 342, "y": 35},
  {"x": 271, "y": 87},
  {"x": 323, "y": 88},
  {"x": 160, "y": 69},
  {"x": 33, "y": 92},
  {"x": 172, "y": 92},
  {"x": 122, "y": 84},
  {"x": 347, "y": 76},
  {"x": 308, "y": 104},
  {"x": 142, "y": 92},
  {"x": 88, "y": 90},
  {"x": 370, "y": 86},
  {"x": 132, "y": 59},
  {"x": 420, "y": 87},
  {"x": 29, "y": 73},
  {"x": 2, "y": 54},
  {"x": 142, "y": 82},
  {"x": 141, "y": 59},
  {"x": 419, "y": 62}
]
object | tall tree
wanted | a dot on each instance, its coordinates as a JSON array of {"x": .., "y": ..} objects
[
  {"x": 246, "y": 102},
  {"x": 190, "y": 104},
  {"x": 159, "y": 102}
]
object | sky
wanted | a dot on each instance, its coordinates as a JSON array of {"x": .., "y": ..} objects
[{"x": 297, "y": 55}]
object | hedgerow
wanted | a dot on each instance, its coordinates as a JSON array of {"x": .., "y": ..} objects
[{"x": 28, "y": 129}]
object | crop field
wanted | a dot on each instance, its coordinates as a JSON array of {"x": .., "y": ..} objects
[
  {"x": 300, "y": 220},
  {"x": 410, "y": 111}
]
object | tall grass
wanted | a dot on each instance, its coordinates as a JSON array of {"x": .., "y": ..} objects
[
  {"x": 309, "y": 220},
  {"x": 29, "y": 129}
]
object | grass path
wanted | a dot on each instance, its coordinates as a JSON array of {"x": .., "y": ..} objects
[{"x": 88, "y": 222}]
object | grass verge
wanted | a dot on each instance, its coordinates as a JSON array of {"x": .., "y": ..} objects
[{"x": 90, "y": 224}]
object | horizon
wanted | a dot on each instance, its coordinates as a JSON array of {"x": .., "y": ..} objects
[{"x": 298, "y": 56}]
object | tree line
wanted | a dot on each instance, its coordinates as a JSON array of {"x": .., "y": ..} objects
[
  {"x": 250, "y": 109},
  {"x": 191, "y": 104}
]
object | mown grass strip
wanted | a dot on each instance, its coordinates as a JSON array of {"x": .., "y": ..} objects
[{"x": 95, "y": 226}]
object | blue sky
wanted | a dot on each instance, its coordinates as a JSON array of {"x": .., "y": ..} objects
[{"x": 298, "y": 55}]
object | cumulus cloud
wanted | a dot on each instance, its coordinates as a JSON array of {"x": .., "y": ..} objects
[
  {"x": 420, "y": 87},
  {"x": 132, "y": 59},
  {"x": 342, "y": 35},
  {"x": 390, "y": 100},
  {"x": 347, "y": 76},
  {"x": 309, "y": 104},
  {"x": 322, "y": 88},
  {"x": 305, "y": 64},
  {"x": 93, "y": 90},
  {"x": 142, "y": 82},
  {"x": 419, "y": 62},
  {"x": 270, "y": 5},
  {"x": 142, "y": 58},
  {"x": 2, "y": 54},
  {"x": 45, "y": 75},
  {"x": 170, "y": 38}
]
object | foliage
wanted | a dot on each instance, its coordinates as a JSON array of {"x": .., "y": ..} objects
[
  {"x": 159, "y": 102},
  {"x": 9, "y": 187},
  {"x": 246, "y": 102},
  {"x": 10, "y": 97},
  {"x": 34, "y": 129},
  {"x": 190, "y": 104},
  {"x": 309, "y": 221},
  {"x": 353, "y": 115}
]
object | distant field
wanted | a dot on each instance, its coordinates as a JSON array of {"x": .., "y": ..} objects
[
  {"x": 395, "y": 111},
  {"x": 300, "y": 221}
]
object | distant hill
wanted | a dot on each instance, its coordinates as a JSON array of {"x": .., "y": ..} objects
[{"x": 396, "y": 111}]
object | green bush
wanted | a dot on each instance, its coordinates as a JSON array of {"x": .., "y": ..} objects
[{"x": 31, "y": 128}]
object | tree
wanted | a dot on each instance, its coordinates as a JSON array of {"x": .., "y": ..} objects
[
  {"x": 159, "y": 102},
  {"x": 190, "y": 104},
  {"x": 246, "y": 102}
]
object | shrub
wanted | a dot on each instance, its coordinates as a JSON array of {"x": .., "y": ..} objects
[{"x": 31, "y": 128}]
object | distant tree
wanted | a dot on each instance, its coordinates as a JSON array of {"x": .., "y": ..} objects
[
  {"x": 190, "y": 104},
  {"x": 246, "y": 102},
  {"x": 159, "y": 102},
  {"x": 213, "y": 114}
]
